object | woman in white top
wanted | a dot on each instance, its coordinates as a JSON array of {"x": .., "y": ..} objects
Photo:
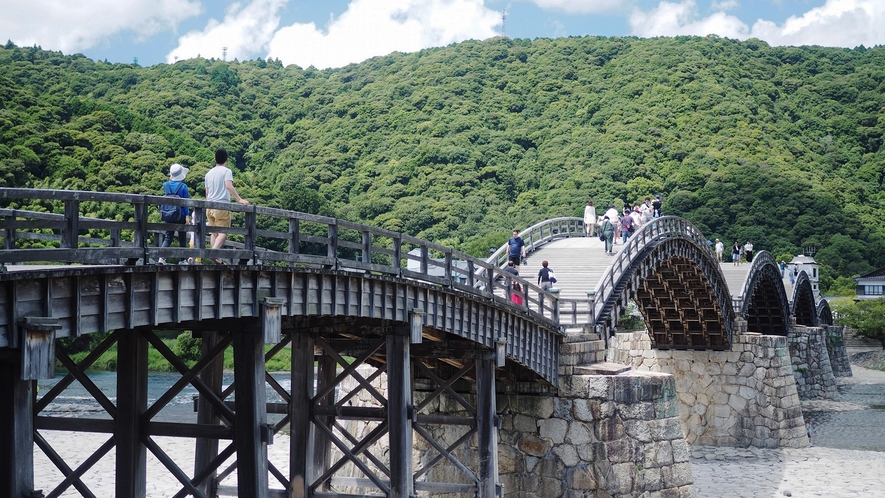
[{"x": 589, "y": 219}]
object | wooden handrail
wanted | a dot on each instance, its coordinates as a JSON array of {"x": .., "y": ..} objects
[{"x": 266, "y": 235}]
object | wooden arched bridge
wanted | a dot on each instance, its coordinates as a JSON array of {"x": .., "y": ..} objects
[{"x": 339, "y": 295}]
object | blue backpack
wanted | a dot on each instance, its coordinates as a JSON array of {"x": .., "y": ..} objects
[{"x": 171, "y": 214}]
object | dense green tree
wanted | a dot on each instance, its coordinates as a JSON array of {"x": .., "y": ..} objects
[
  {"x": 460, "y": 144},
  {"x": 865, "y": 317}
]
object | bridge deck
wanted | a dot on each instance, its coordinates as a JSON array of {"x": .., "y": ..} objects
[{"x": 580, "y": 262}]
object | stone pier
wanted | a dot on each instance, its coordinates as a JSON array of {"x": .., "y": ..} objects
[
  {"x": 743, "y": 397},
  {"x": 811, "y": 363},
  {"x": 835, "y": 336}
]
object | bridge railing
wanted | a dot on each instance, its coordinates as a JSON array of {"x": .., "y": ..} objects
[
  {"x": 760, "y": 260},
  {"x": 73, "y": 230}
]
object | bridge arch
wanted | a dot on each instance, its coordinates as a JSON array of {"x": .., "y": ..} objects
[
  {"x": 668, "y": 269},
  {"x": 824, "y": 313},
  {"x": 803, "y": 307},
  {"x": 764, "y": 301}
]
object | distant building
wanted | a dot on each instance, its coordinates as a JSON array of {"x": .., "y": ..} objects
[
  {"x": 871, "y": 285},
  {"x": 811, "y": 268},
  {"x": 437, "y": 267}
]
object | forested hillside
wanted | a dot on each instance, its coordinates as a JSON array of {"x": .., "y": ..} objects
[{"x": 461, "y": 144}]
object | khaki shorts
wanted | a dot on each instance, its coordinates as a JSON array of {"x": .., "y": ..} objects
[{"x": 217, "y": 218}]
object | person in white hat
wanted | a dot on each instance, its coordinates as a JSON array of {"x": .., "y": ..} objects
[{"x": 176, "y": 185}]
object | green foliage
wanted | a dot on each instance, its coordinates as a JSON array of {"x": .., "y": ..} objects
[
  {"x": 187, "y": 347},
  {"x": 865, "y": 317},
  {"x": 780, "y": 145}
]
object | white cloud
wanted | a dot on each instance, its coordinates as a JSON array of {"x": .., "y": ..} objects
[
  {"x": 838, "y": 23},
  {"x": 376, "y": 27},
  {"x": 73, "y": 26},
  {"x": 672, "y": 19},
  {"x": 245, "y": 31},
  {"x": 724, "y": 5},
  {"x": 580, "y": 6}
]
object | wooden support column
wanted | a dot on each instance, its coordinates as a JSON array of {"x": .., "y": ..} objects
[
  {"x": 250, "y": 427},
  {"x": 212, "y": 377},
  {"x": 299, "y": 415},
  {"x": 271, "y": 319},
  {"x": 131, "y": 478},
  {"x": 399, "y": 407},
  {"x": 16, "y": 432},
  {"x": 486, "y": 415},
  {"x": 322, "y": 446},
  {"x": 38, "y": 347}
]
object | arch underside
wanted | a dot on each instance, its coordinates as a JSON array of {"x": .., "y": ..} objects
[
  {"x": 804, "y": 308},
  {"x": 766, "y": 308},
  {"x": 680, "y": 307},
  {"x": 824, "y": 313}
]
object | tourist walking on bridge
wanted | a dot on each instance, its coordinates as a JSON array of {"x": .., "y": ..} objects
[
  {"x": 656, "y": 207},
  {"x": 612, "y": 214},
  {"x": 608, "y": 234},
  {"x": 720, "y": 247},
  {"x": 748, "y": 251},
  {"x": 219, "y": 188},
  {"x": 546, "y": 278},
  {"x": 626, "y": 223},
  {"x": 176, "y": 185},
  {"x": 645, "y": 210},
  {"x": 736, "y": 254},
  {"x": 589, "y": 219},
  {"x": 516, "y": 249}
]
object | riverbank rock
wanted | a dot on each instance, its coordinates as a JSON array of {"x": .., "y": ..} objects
[{"x": 869, "y": 359}]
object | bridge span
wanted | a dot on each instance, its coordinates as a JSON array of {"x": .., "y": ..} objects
[{"x": 339, "y": 296}]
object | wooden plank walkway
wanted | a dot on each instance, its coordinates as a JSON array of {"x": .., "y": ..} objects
[{"x": 578, "y": 262}]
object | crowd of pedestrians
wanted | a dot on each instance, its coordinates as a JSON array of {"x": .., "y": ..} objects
[{"x": 613, "y": 226}]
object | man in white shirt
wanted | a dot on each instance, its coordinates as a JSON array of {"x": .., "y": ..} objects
[
  {"x": 219, "y": 188},
  {"x": 720, "y": 247}
]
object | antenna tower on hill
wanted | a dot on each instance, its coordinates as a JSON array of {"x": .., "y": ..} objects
[
  {"x": 504, "y": 22},
  {"x": 224, "y": 53}
]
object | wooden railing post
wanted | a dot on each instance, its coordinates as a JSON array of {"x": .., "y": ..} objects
[
  {"x": 425, "y": 256},
  {"x": 332, "y": 248},
  {"x": 70, "y": 234},
  {"x": 555, "y": 303},
  {"x": 294, "y": 237},
  {"x": 251, "y": 229},
  {"x": 199, "y": 222},
  {"x": 139, "y": 236},
  {"x": 398, "y": 255},
  {"x": 366, "y": 256}
]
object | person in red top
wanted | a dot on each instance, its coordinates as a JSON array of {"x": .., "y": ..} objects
[{"x": 516, "y": 294}]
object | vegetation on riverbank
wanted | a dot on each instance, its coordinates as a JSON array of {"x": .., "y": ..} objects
[{"x": 185, "y": 348}]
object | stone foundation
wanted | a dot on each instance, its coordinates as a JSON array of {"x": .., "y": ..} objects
[
  {"x": 811, "y": 363},
  {"x": 603, "y": 436},
  {"x": 743, "y": 397},
  {"x": 836, "y": 348}
]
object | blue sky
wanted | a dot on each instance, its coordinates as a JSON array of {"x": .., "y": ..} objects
[{"x": 333, "y": 33}]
